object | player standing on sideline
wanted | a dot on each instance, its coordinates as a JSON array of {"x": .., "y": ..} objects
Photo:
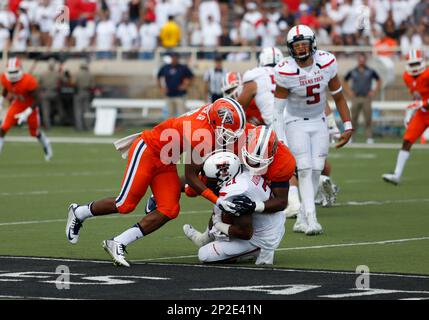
[
  {"x": 152, "y": 162},
  {"x": 22, "y": 89},
  {"x": 416, "y": 78},
  {"x": 301, "y": 82}
]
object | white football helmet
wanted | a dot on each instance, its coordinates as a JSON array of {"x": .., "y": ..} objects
[
  {"x": 301, "y": 33},
  {"x": 415, "y": 62},
  {"x": 270, "y": 56},
  {"x": 222, "y": 165},
  {"x": 232, "y": 85},
  {"x": 14, "y": 71}
]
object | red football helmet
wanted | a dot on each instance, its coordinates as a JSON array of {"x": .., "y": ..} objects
[
  {"x": 226, "y": 117},
  {"x": 415, "y": 62},
  {"x": 14, "y": 71},
  {"x": 261, "y": 145},
  {"x": 232, "y": 85}
]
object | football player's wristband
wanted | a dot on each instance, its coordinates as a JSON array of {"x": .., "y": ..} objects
[
  {"x": 209, "y": 195},
  {"x": 348, "y": 126}
]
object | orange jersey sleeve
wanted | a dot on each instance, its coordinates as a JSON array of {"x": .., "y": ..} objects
[
  {"x": 418, "y": 86},
  {"x": 253, "y": 115},
  {"x": 21, "y": 91},
  {"x": 192, "y": 127},
  {"x": 283, "y": 166}
]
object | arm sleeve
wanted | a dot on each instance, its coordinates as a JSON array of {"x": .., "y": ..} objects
[{"x": 278, "y": 122}]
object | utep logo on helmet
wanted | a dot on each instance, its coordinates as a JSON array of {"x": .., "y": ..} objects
[
  {"x": 226, "y": 115},
  {"x": 222, "y": 169}
]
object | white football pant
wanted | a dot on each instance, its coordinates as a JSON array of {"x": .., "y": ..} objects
[
  {"x": 235, "y": 249},
  {"x": 309, "y": 143}
]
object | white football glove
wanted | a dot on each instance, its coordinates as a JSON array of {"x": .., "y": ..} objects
[
  {"x": 218, "y": 235},
  {"x": 334, "y": 132},
  {"x": 409, "y": 113},
  {"x": 216, "y": 218},
  {"x": 23, "y": 116},
  {"x": 226, "y": 206}
]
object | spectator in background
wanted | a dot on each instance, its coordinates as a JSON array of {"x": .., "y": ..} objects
[
  {"x": 268, "y": 32},
  {"x": 162, "y": 12},
  {"x": 361, "y": 94},
  {"x": 59, "y": 35},
  {"x": 287, "y": 19},
  {"x": 149, "y": 32},
  {"x": 211, "y": 34},
  {"x": 306, "y": 16},
  {"x": 134, "y": 10},
  {"x": 170, "y": 34},
  {"x": 127, "y": 35},
  {"x": 4, "y": 38},
  {"x": 213, "y": 80},
  {"x": 45, "y": 18},
  {"x": 67, "y": 90},
  {"x": 50, "y": 98},
  {"x": 293, "y": 5},
  {"x": 174, "y": 80},
  {"x": 82, "y": 35},
  {"x": 117, "y": 9},
  {"x": 20, "y": 38},
  {"x": 7, "y": 18},
  {"x": 194, "y": 29},
  {"x": 105, "y": 36},
  {"x": 179, "y": 8},
  {"x": 209, "y": 8},
  {"x": 248, "y": 24},
  {"x": 35, "y": 35},
  {"x": 384, "y": 46},
  {"x": 411, "y": 39},
  {"x": 82, "y": 97}
]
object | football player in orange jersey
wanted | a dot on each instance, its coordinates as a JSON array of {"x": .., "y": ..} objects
[
  {"x": 152, "y": 160},
  {"x": 22, "y": 89},
  {"x": 416, "y": 78}
]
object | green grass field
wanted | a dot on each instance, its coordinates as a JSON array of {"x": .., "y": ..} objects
[{"x": 34, "y": 196}]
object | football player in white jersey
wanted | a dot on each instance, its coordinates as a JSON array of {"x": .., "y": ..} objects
[
  {"x": 257, "y": 98},
  {"x": 247, "y": 236},
  {"x": 301, "y": 82},
  {"x": 259, "y": 84}
]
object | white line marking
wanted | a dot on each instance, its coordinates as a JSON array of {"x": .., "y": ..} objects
[
  {"x": 116, "y": 216},
  {"x": 100, "y": 140},
  {"x": 140, "y": 262},
  {"x": 37, "y": 298},
  {"x": 58, "y": 174},
  {"x": 379, "y": 203},
  {"x": 46, "y": 192}
]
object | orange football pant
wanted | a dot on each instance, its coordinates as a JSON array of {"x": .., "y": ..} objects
[
  {"x": 33, "y": 120},
  {"x": 144, "y": 169},
  {"x": 417, "y": 126}
]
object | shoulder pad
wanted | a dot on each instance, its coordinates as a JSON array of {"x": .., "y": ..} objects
[
  {"x": 324, "y": 59},
  {"x": 252, "y": 74},
  {"x": 286, "y": 67}
]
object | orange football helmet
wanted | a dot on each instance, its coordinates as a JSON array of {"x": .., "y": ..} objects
[
  {"x": 261, "y": 145},
  {"x": 232, "y": 85},
  {"x": 415, "y": 62},
  {"x": 226, "y": 117},
  {"x": 14, "y": 71}
]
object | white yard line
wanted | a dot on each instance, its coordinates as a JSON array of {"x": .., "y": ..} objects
[
  {"x": 310, "y": 247},
  {"x": 56, "y": 174},
  {"x": 36, "y": 298},
  {"x": 117, "y": 216},
  {"x": 205, "y": 266},
  {"x": 109, "y": 140}
]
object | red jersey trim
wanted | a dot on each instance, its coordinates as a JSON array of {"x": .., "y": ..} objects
[{"x": 327, "y": 65}]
